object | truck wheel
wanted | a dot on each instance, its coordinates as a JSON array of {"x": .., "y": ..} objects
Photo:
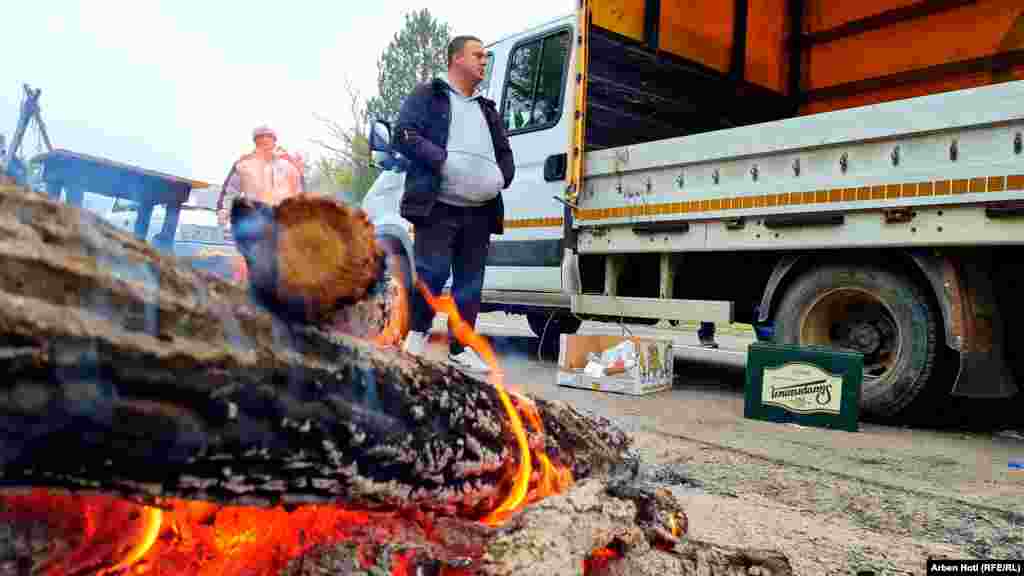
[
  {"x": 561, "y": 323},
  {"x": 879, "y": 313}
]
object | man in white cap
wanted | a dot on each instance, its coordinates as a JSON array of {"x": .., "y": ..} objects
[{"x": 267, "y": 174}]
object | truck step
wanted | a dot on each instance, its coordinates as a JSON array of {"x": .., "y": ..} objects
[
  {"x": 731, "y": 358},
  {"x": 720, "y": 312}
]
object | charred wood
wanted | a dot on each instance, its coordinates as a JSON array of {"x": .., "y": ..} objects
[
  {"x": 308, "y": 256},
  {"x": 128, "y": 372}
]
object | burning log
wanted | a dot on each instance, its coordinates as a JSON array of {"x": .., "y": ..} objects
[
  {"x": 129, "y": 374},
  {"x": 600, "y": 527},
  {"x": 308, "y": 256}
]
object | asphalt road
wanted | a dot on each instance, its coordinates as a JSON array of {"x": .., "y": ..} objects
[{"x": 970, "y": 462}]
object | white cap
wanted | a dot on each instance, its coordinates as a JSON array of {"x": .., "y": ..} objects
[{"x": 263, "y": 130}]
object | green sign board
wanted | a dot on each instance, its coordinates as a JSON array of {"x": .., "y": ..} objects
[{"x": 807, "y": 385}]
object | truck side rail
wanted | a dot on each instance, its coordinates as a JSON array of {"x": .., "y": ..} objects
[{"x": 948, "y": 150}]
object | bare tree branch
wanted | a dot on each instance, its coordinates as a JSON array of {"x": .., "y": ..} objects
[{"x": 345, "y": 147}]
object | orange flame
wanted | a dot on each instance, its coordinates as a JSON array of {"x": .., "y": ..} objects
[
  {"x": 151, "y": 520},
  {"x": 551, "y": 479},
  {"x": 397, "y": 325},
  {"x": 465, "y": 334}
]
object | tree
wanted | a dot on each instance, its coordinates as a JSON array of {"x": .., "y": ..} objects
[
  {"x": 327, "y": 178},
  {"x": 416, "y": 54},
  {"x": 347, "y": 163}
]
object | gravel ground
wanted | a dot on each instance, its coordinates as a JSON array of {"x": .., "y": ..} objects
[
  {"x": 828, "y": 523},
  {"x": 883, "y": 499}
]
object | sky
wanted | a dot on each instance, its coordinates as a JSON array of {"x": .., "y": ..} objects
[{"x": 178, "y": 85}]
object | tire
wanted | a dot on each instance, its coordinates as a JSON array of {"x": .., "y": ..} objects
[
  {"x": 561, "y": 323},
  {"x": 872, "y": 310}
]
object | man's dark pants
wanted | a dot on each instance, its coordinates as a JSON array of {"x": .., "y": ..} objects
[{"x": 454, "y": 239}]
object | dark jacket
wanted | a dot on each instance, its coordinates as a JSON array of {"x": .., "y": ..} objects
[{"x": 421, "y": 135}]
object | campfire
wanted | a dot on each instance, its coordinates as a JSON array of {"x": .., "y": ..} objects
[
  {"x": 192, "y": 427},
  {"x": 108, "y": 535}
]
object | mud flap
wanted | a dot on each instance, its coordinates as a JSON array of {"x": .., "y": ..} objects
[
  {"x": 571, "y": 282},
  {"x": 980, "y": 330},
  {"x": 983, "y": 376}
]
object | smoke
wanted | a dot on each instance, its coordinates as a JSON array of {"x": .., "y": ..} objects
[{"x": 226, "y": 317}]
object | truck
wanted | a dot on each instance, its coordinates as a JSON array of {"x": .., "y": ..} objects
[{"x": 847, "y": 175}]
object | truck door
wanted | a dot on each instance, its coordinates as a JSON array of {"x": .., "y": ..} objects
[{"x": 530, "y": 87}]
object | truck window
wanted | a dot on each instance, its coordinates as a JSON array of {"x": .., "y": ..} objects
[{"x": 536, "y": 83}]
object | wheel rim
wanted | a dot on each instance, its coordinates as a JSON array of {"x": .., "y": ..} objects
[{"x": 851, "y": 319}]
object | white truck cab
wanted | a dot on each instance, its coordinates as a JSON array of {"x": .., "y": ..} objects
[{"x": 527, "y": 77}]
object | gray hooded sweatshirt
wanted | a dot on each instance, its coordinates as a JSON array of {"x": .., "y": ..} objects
[{"x": 470, "y": 176}]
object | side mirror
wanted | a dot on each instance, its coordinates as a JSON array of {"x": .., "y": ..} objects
[
  {"x": 380, "y": 136},
  {"x": 554, "y": 167}
]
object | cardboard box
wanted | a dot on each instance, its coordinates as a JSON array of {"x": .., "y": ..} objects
[{"x": 653, "y": 372}]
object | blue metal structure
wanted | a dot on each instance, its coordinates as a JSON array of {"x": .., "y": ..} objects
[
  {"x": 74, "y": 173},
  {"x": 10, "y": 165}
]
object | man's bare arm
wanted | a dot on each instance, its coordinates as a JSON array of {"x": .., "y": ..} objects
[{"x": 231, "y": 189}]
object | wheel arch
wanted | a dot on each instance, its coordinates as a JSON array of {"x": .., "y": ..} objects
[{"x": 924, "y": 268}]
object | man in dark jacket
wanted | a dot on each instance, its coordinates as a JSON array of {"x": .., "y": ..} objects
[{"x": 460, "y": 161}]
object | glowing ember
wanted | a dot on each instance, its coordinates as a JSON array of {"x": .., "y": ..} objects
[
  {"x": 599, "y": 561},
  {"x": 402, "y": 563},
  {"x": 110, "y": 535}
]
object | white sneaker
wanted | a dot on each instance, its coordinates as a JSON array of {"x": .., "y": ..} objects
[
  {"x": 415, "y": 343},
  {"x": 469, "y": 360}
]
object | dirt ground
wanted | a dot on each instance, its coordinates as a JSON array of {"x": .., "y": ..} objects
[{"x": 883, "y": 499}]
